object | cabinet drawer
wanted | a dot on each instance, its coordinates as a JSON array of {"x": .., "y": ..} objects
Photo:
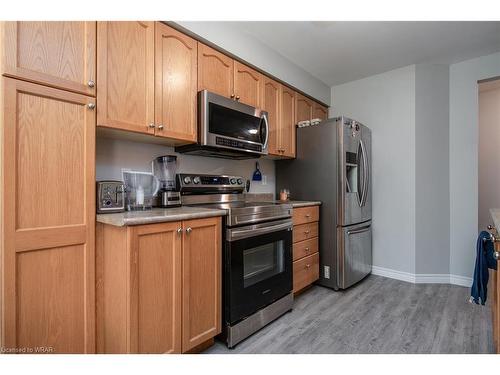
[
  {"x": 305, "y": 272},
  {"x": 305, "y": 248},
  {"x": 305, "y": 232},
  {"x": 305, "y": 215}
]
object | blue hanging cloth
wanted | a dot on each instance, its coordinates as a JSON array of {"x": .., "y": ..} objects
[{"x": 484, "y": 261}]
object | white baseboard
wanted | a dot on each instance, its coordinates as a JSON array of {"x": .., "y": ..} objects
[
  {"x": 393, "y": 274},
  {"x": 422, "y": 278}
]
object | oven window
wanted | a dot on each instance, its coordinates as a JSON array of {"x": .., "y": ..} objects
[
  {"x": 263, "y": 262},
  {"x": 230, "y": 123}
]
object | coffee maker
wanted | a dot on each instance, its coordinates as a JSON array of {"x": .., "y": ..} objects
[{"x": 165, "y": 169}]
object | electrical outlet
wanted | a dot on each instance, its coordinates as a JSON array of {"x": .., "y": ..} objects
[
  {"x": 264, "y": 179},
  {"x": 327, "y": 272}
]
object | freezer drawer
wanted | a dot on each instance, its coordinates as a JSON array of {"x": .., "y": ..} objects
[{"x": 354, "y": 253}]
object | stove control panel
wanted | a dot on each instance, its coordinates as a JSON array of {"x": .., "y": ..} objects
[{"x": 209, "y": 183}]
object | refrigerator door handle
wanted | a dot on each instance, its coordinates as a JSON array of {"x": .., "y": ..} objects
[
  {"x": 365, "y": 173},
  {"x": 360, "y": 230},
  {"x": 361, "y": 187}
]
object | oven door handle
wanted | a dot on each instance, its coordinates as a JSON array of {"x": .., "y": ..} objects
[{"x": 255, "y": 230}]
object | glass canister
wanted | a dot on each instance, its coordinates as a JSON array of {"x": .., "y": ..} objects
[{"x": 140, "y": 188}]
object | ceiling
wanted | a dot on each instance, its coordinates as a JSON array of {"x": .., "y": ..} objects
[{"x": 339, "y": 52}]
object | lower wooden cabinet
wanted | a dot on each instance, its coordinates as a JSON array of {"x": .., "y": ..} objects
[
  {"x": 158, "y": 286},
  {"x": 494, "y": 301},
  {"x": 305, "y": 247}
]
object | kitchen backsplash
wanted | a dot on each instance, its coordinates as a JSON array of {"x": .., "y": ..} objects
[{"x": 112, "y": 155}]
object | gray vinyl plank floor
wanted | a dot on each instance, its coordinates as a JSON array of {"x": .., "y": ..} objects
[{"x": 378, "y": 315}]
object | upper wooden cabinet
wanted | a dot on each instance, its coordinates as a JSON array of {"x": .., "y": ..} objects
[
  {"x": 304, "y": 108},
  {"x": 272, "y": 104},
  {"x": 125, "y": 75},
  {"x": 48, "y": 208},
  {"x": 320, "y": 112},
  {"x": 287, "y": 122},
  {"x": 57, "y": 54},
  {"x": 215, "y": 71},
  {"x": 248, "y": 85},
  {"x": 222, "y": 75},
  {"x": 176, "y": 84}
]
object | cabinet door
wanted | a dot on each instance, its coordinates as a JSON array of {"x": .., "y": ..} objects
[
  {"x": 215, "y": 71},
  {"x": 304, "y": 108},
  {"x": 287, "y": 122},
  {"x": 48, "y": 218},
  {"x": 247, "y": 85},
  {"x": 58, "y": 54},
  {"x": 156, "y": 288},
  {"x": 176, "y": 84},
  {"x": 201, "y": 281},
  {"x": 320, "y": 112},
  {"x": 125, "y": 75},
  {"x": 271, "y": 98}
]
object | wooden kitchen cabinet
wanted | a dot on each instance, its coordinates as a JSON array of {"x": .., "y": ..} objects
[
  {"x": 158, "y": 286},
  {"x": 215, "y": 71},
  {"x": 304, "y": 108},
  {"x": 494, "y": 297},
  {"x": 320, "y": 112},
  {"x": 48, "y": 216},
  {"x": 287, "y": 122},
  {"x": 125, "y": 75},
  {"x": 272, "y": 104},
  {"x": 176, "y": 80},
  {"x": 56, "y": 54},
  {"x": 248, "y": 84},
  {"x": 201, "y": 281},
  {"x": 305, "y": 247}
]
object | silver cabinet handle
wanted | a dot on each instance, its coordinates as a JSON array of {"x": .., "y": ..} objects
[
  {"x": 179, "y": 230},
  {"x": 160, "y": 127},
  {"x": 237, "y": 97},
  {"x": 91, "y": 105},
  {"x": 188, "y": 230},
  {"x": 308, "y": 215},
  {"x": 152, "y": 126},
  {"x": 232, "y": 96},
  {"x": 496, "y": 255},
  {"x": 90, "y": 83}
]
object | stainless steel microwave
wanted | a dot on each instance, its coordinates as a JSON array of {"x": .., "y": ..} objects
[{"x": 229, "y": 129}]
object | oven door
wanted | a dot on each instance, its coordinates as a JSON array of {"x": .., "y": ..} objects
[
  {"x": 258, "y": 267},
  {"x": 228, "y": 124}
]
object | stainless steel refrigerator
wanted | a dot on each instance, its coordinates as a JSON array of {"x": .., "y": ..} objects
[{"x": 333, "y": 165}]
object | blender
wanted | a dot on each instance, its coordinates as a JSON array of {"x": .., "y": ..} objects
[{"x": 165, "y": 169}]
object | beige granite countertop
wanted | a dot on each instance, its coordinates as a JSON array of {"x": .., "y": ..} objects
[
  {"x": 495, "y": 215},
  {"x": 163, "y": 215},
  {"x": 158, "y": 215}
]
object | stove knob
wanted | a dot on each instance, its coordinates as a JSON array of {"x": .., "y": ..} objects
[
  {"x": 240, "y": 181},
  {"x": 187, "y": 180},
  {"x": 232, "y": 181},
  {"x": 196, "y": 180}
]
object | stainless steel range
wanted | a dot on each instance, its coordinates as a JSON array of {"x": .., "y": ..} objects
[{"x": 257, "y": 253}]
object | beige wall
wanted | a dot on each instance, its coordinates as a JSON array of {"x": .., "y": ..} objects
[{"x": 489, "y": 151}]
